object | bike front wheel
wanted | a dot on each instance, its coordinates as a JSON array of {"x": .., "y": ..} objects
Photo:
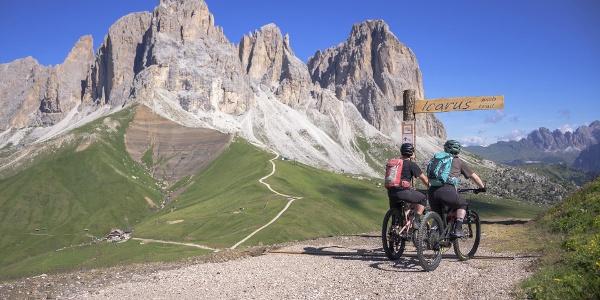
[
  {"x": 393, "y": 244},
  {"x": 429, "y": 241},
  {"x": 466, "y": 246}
]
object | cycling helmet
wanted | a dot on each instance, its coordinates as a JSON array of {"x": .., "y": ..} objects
[
  {"x": 407, "y": 149},
  {"x": 452, "y": 147}
]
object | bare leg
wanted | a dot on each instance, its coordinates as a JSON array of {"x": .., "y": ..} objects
[
  {"x": 418, "y": 208},
  {"x": 461, "y": 213}
]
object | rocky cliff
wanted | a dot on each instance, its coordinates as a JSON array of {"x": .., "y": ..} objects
[
  {"x": 176, "y": 61},
  {"x": 544, "y": 145},
  {"x": 118, "y": 59},
  {"x": 268, "y": 58},
  {"x": 36, "y": 95},
  {"x": 583, "y": 137},
  {"x": 371, "y": 69},
  {"x": 589, "y": 160}
]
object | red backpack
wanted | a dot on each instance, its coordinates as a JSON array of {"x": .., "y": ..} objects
[{"x": 393, "y": 174}]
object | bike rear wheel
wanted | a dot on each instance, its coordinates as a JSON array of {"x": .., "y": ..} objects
[
  {"x": 393, "y": 244},
  {"x": 429, "y": 241},
  {"x": 466, "y": 246}
]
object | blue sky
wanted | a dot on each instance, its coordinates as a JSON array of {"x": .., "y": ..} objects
[{"x": 543, "y": 56}]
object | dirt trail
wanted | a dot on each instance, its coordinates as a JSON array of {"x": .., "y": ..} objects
[
  {"x": 291, "y": 199},
  {"x": 15, "y": 160},
  {"x": 174, "y": 243},
  {"x": 331, "y": 268}
]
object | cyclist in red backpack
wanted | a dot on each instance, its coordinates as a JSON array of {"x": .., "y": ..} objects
[{"x": 400, "y": 189}]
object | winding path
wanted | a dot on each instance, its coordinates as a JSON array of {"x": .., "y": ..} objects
[
  {"x": 291, "y": 199},
  {"x": 13, "y": 161},
  {"x": 175, "y": 243}
]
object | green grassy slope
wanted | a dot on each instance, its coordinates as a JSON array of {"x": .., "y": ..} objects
[
  {"x": 98, "y": 256},
  {"x": 571, "y": 265},
  {"x": 491, "y": 208},
  {"x": 332, "y": 204},
  {"x": 48, "y": 205},
  {"x": 223, "y": 204},
  {"x": 226, "y": 202}
]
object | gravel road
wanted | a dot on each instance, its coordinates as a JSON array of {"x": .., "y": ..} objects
[{"x": 331, "y": 268}]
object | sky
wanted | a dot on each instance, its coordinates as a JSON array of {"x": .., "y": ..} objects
[{"x": 542, "y": 55}]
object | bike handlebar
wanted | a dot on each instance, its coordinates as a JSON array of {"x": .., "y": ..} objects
[{"x": 476, "y": 191}]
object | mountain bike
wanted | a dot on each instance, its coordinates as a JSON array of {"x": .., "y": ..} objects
[
  {"x": 433, "y": 236},
  {"x": 398, "y": 227}
]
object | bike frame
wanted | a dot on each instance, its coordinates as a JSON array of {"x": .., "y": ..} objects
[
  {"x": 448, "y": 215},
  {"x": 406, "y": 210}
]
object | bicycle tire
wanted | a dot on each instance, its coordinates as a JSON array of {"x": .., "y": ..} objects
[
  {"x": 429, "y": 236},
  {"x": 472, "y": 231},
  {"x": 393, "y": 245}
]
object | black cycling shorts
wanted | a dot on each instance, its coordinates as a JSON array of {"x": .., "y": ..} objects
[
  {"x": 396, "y": 196},
  {"x": 445, "y": 195}
]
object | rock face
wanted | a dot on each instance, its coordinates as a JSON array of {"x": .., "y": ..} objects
[
  {"x": 371, "y": 69},
  {"x": 576, "y": 149},
  {"x": 35, "y": 95},
  {"x": 589, "y": 160},
  {"x": 20, "y": 91},
  {"x": 64, "y": 85},
  {"x": 547, "y": 140},
  {"x": 177, "y": 62},
  {"x": 267, "y": 58},
  {"x": 202, "y": 67},
  {"x": 119, "y": 59}
]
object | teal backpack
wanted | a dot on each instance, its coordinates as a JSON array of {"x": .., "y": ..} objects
[{"x": 438, "y": 170}]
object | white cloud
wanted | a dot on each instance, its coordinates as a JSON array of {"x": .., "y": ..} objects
[
  {"x": 498, "y": 116},
  {"x": 473, "y": 141},
  {"x": 514, "y": 135},
  {"x": 566, "y": 128}
]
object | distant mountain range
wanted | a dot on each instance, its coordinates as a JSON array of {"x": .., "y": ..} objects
[{"x": 579, "y": 149}]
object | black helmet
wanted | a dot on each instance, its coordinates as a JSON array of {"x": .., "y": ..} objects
[
  {"x": 407, "y": 149},
  {"x": 452, "y": 147}
]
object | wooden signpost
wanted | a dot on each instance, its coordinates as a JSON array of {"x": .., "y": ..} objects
[
  {"x": 459, "y": 104},
  {"x": 413, "y": 106}
]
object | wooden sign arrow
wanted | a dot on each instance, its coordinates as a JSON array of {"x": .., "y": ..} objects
[{"x": 459, "y": 104}]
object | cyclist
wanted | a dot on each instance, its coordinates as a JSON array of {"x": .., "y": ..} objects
[
  {"x": 445, "y": 191},
  {"x": 410, "y": 170}
]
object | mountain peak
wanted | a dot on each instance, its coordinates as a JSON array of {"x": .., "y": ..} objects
[
  {"x": 270, "y": 27},
  {"x": 82, "y": 52},
  {"x": 371, "y": 69},
  {"x": 261, "y": 53},
  {"x": 370, "y": 25},
  {"x": 378, "y": 31}
]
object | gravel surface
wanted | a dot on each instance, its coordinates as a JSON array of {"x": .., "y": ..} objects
[{"x": 331, "y": 268}]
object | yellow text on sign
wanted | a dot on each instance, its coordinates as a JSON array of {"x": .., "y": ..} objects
[{"x": 458, "y": 104}]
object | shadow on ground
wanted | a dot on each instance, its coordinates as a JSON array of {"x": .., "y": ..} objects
[{"x": 377, "y": 259}]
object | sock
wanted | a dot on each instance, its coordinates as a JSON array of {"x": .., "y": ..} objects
[{"x": 459, "y": 223}]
